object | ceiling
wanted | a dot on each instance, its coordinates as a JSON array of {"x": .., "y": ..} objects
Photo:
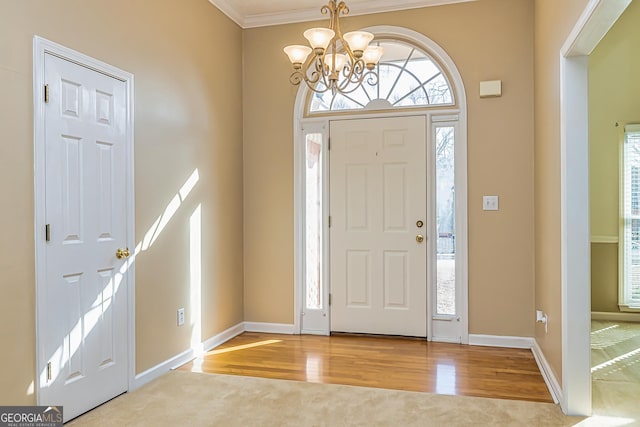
[{"x": 261, "y": 13}]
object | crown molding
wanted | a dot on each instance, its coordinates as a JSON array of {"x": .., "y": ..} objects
[
  {"x": 230, "y": 11},
  {"x": 313, "y": 14}
]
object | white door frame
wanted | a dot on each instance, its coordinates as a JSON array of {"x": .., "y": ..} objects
[
  {"x": 320, "y": 123},
  {"x": 596, "y": 20},
  {"x": 41, "y": 47}
]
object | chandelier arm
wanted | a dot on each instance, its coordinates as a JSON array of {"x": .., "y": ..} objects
[
  {"x": 353, "y": 75},
  {"x": 371, "y": 78},
  {"x": 342, "y": 88},
  {"x": 296, "y": 77},
  {"x": 310, "y": 59},
  {"x": 314, "y": 87},
  {"x": 318, "y": 68},
  {"x": 356, "y": 70},
  {"x": 312, "y": 78},
  {"x": 318, "y": 76},
  {"x": 310, "y": 73}
]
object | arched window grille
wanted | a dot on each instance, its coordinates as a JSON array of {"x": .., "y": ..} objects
[{"x": 407, "y": 77}]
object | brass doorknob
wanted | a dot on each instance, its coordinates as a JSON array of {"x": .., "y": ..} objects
[
  {"x": 123, "y": 253},
  {"x": 419, "y": 238}
]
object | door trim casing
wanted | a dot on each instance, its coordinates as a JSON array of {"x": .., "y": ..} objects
[{"x": 42, "y": 47}]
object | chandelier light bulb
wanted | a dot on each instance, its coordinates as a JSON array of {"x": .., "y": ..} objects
[
  {"x": 297, "y": 54},
  {"x": 372, "y": 55},
  {"x": 341, "y": 61},
  {"x": 358, "y": 41},
  {"x": 319, "y": 38}
]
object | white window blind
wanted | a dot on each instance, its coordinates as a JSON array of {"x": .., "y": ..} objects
[{"x": 631, "y": 217}]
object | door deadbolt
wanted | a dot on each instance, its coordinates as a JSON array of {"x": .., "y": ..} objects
[{"x": 419, "y": 224}]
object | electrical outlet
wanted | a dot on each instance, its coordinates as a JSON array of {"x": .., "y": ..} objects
[
  {"x": 542, "y": 317},
  {"x": 180, "y": 316}
]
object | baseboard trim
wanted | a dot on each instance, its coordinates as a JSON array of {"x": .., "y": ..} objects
[
  {"x": 615, "y": 317},
  {"x": 272, "y": 328},
  {"x": 223, "y": 337},
  {"x": 501, "y": 341},
  {"x": 186, "y": 356},
  {"x": 549, "y": 378},
  {"x": 162, "y": 368}
]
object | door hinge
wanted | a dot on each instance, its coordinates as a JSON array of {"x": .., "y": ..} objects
[
  {"x": 49, "y": 376},
  {"x": 329, "y": 298},
  {"x": 47, "y": 232},
  {"x": 329, "y": 221},
  {"x": 329, "y": 141},
  {"x": 46, "y": 93}
]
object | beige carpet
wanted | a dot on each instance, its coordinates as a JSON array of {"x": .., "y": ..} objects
[
  {"x": 193, "y": 399},
  {"x": 615, "y": 369}
]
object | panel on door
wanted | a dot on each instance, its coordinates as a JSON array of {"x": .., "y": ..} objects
[
  {"x": 85, "y": 318},
  {"x": 378, "y": 193}
]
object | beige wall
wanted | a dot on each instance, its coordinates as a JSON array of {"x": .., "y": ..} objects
[
  {"x": 604, "y": 277},
  {"x": 553, "y": 22},
  {"x": 488, "y": 39},
  {"x": 614, "y": 67},
  {"x": 188, "y": 114}
]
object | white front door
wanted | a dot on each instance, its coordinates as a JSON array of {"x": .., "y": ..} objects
[
  {"x": 83, "y": 325},
  {"x": 378, "y": 226}
]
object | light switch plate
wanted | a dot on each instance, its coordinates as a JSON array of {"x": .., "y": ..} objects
[{"x": 490, "y": 203}]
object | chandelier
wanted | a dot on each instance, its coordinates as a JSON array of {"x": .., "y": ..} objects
[{"x": 321, "y": 70}]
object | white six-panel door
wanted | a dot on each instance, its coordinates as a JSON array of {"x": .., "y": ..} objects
[
  {"x": 83, "y": 332},
  {"x": 378, "y": 196}
]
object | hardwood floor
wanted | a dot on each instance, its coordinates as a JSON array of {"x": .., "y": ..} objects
[{"x": 382, "y": 362}]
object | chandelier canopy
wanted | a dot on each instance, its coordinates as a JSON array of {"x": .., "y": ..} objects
[{"x": 321, "y": 65}]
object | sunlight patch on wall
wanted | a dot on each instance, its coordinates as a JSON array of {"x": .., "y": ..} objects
[
  {"x": 161, "y": 222},
  {"x": 85, "y": 325}
]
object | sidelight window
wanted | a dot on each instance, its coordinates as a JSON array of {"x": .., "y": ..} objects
[{"x": 445, "y": 221}]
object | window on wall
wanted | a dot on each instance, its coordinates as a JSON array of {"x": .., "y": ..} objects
[
  {"x": 445, "y": 221},
  {"x": 313, "y": 222},
  {"x": 630, "y": 222},
  {"x": 407, "y": 77}
]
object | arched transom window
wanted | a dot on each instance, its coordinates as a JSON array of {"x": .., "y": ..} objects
[{"x": 407, "y": 77}]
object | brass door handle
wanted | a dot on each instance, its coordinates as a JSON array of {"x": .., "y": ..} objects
[
  {"x": 123, "y": 253},
  {"x": 419, "y": 238}
]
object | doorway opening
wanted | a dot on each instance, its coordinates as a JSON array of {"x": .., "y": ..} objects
[
  {"x": 596, "y": 20},
  {"x": 417, "y": 79}
]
